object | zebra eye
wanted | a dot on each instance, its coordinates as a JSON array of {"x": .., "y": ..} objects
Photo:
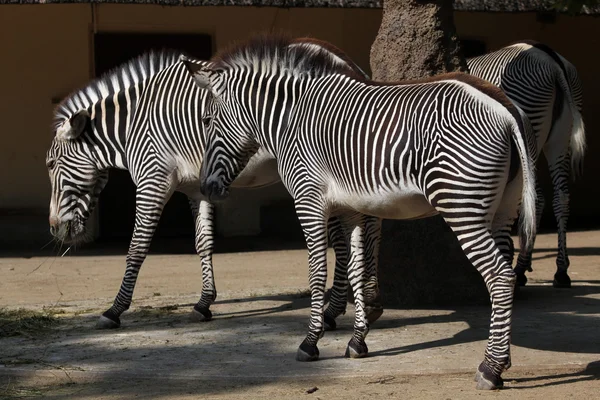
[
  {"x": 51, "y": 164},
  {"x": 206, "y": 121}
]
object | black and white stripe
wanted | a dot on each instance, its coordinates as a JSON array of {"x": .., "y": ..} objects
[
  {"x": 146, "y": 117},
  {"x": 547, "y": 88},
  {"x": 346, "y": 146}
]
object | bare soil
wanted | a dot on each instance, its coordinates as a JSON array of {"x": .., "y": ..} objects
[{"x": 247, "y": 351}]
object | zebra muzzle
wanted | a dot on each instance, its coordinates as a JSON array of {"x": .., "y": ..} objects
[{"x": 214, "y": 189}]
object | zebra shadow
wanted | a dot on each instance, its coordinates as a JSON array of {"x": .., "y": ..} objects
[
  {"x": 590, "y": 373},
  {"x": 544, "y": 318}
]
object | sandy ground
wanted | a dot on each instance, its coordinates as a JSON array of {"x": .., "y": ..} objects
[{"x": 247, "y": 351}]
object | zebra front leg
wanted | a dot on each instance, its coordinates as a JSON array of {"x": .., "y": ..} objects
[
  {"x": 337, "y": 299},
  {"x": 559, "y": 172},
  {"x": 524, "y": 259},
  {"x": 148, "y": 208},
  {"x": 354, "y": 226},
  {"x": 314, "y": 225},
  {"x": 203, "y": 217}
]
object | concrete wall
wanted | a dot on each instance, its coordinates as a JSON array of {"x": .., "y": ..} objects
[{"x": 47, "y": 52}]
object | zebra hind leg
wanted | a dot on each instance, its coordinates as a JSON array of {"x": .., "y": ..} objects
[
  {"x": 372, "y": 239},
  {"x": 560, "y": 203},
  {"x": 149, "y": 206},
  {"x": 337, "y": 298},
  {"x": 557, "y": 152},
  {"x": 478, "y": 244},
  {"x": 203, "y": 217},
  {"x": 524, "y": 259}
]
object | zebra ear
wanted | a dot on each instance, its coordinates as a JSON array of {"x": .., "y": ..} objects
[
  {"x": 204, "y": 76},
  {"x": 74, "y": 126}
]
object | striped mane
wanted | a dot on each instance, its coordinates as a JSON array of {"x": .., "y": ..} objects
[
  {"x": 282, "y": 54},
  {"x": 133, "y": 72}
]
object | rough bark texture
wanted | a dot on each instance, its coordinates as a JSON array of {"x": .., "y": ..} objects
[
  {"x": 421, "y": 261},
  {"x": 416, "y": 39}
]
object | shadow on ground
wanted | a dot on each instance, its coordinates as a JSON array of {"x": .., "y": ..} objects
[{"x": 253, "y": 340}]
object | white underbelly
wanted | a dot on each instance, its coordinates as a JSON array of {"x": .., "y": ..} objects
[{"x": 389, "y": 205}]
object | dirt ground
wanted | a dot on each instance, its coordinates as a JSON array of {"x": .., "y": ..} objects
[{"x": 247, "y": 351}]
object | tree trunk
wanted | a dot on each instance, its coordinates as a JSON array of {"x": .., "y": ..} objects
[
  {"x": 416, "y": 39},
  {"x": 421, "y": 261}
]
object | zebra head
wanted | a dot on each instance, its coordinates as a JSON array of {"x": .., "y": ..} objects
[
  {"x": 250, "y": 90},
  {"x": 75, "y": 178},
  {"x": 230, "y": 144}
]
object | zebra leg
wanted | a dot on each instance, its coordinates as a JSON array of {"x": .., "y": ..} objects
[
  {"x": 337, "y": 299},
  {"x": 500, "y": 280},
  {"x": 149, "y": 203},
  {"x": 372, "y": 238},
  {"x": 524, "y": 259},
  {"x": 479, "y": 246},
  {"x": 203, "y": 217},
  {"x": 559, "y": 172},
  {"x": 354, "y": 226},
  {"x": 339, "y": 292},
  {"x": 313, "y": 220},
  {"x": 557, "y": 152}
]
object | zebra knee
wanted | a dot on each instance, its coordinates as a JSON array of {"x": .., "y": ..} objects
[{"x": 500, "y": 283}]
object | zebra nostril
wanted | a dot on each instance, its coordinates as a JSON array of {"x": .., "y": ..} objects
[{"x": 53, "y": 230}]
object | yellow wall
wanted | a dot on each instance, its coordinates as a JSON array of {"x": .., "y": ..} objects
[{"x": 47, "y": 52}]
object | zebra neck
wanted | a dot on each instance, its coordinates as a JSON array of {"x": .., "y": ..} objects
[
  {"x": 112, "y": 118},
  {"x": 273, "y": 116}
]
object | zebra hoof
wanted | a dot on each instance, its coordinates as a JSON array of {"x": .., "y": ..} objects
[
  {"x": 486, "y": 379},
  {"x": 307, "y": 352},
  {"x": 330, "y": 324},
  {"x": 200, "y": 314},
  {"x": 521, "y": 279},
  {"x": 561, "y": 280},
  {"x": 108, "y": 321},
  {"x": 373, "y": 311},
  {"x": 356, "y": 349}
]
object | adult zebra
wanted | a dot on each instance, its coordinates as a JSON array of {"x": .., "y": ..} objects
[
  {"x": 442, "y": 145},
  {"x": 547, "y": 88},
  {"x": 145, "y": 117}
]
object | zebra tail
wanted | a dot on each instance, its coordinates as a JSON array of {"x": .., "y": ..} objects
[
  {"x": 527, "y": 225},
  {"x": 578, "y": 143}
]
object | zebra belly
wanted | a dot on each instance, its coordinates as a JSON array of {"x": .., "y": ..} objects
[{"x": 388, "y": 205}]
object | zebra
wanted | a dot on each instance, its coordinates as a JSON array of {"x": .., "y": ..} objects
[
  {"x": 547, "y": 88},
  {"x": 144, "y": 117},
  {"x": 345, "y": 146}
]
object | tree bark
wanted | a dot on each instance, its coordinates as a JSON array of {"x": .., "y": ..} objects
[
  {"x": 416, "y": 39},
  {"x": 420, "y": 261}
]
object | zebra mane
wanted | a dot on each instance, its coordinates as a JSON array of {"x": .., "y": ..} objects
[
  {"x": 278, "y": 53},
  {"x": 122, "y": 77}
]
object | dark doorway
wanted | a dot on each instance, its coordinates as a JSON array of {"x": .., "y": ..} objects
[
  {"x": 117, "y": 201},
  {"x": 473, "y": 47}
]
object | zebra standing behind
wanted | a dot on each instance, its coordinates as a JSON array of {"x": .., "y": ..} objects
[
  {"x": 145, "y": 117},
  {"x": 402, "y": 151},
  {"x": 547, "y": 88}
]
